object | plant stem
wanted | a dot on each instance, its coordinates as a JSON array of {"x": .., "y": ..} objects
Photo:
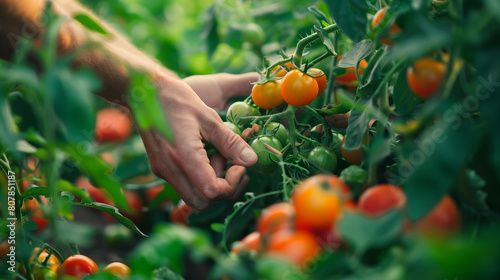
[
  {"x": 321, "y": 119},
  {"x": 301, "y": 45}
]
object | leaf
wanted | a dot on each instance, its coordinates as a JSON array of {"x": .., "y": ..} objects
[
  {"x": 365, "y": 233},
  {"x": 320, "y": 16},
  {"x": 99, "y": 172},
  {"x": 217, "y": 227},
  {"x": 358, "y": 126},
  {"x": 25, "y": 147},
  {"x": 427, "y": 170},
  {"x": 30, "y": 226},
  {"x": 210, "y": 33},
  {"x": 90, "y": 23},
  {"x": 326, "y": 39},
  {"x": 350, "y": 16},
  {"x": 380, "y": 149},
  {"x": 167, "y": 193},
  {"x": 403, "y": 98},
  {"x": 146, "y": 106},
  {"x": 115, "y": 213},
  {"x": 8, "y": 135},
  {"x": 66, "y": 186},
  {"x": 34, "y": 191},
  {"x": 356, "y": 53}
]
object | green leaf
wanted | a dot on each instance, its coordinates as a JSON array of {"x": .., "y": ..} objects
[
  {"x": 350, "y": 16},
  {"x": 358, "y": 126},
  {"x": 320, "y": 16},
  {"x": 8, "y": 135},
  {"x": 90, "y": 23},
  {"x": 30, "y": 226},
  {"x": 146, "y": 108},
  {"x": 66, "y": 186},
  {"x": 380, "y": 148},
  {"x": 403, "y": 97},
  {"x": 34, "y": 191},
  {"x": 25, "y": 147},
  {"x": 427, "y": 170},
  {"x": 365, "y": 233},
  {"x": 99, "y": 172},
  {"x": 210, "y": 33},
  {"x": 115, "y": 213},
  {"x": 217, "y": 227},
  {"x": 356, "y": 53}
]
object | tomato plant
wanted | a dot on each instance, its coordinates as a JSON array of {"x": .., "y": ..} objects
[
  {"x": 425, "y": 76},
  {"x": 298, "y": 89},
  {"x": 267, "y": 95}
]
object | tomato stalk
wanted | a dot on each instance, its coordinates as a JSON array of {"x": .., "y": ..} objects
[
  {"x": 276, "y": 64},
  {"x": 331, "y": 77},
  {"x": 301, "y": 45},
  {"x": 322, "y": 120}
]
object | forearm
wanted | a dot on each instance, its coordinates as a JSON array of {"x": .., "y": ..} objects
[{"x": 111, "y": 57}]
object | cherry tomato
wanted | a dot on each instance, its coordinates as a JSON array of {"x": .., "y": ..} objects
[
  {"x": 298, "y": 89},
  {"x": 252, "y": 33},
  {"x": 239, "y": 110},
  {"x": 180, "y": 213},
  {"x": 355, "y": 177},
  {"x": 394, "y": 30},
  {"x": 112, "y": 125},
  {"x": 334, "y": 183},
  {"x": 99, "y": 195},
  {"x": 298, "y": 247},
  {"x": 51, "y": 262},
  {"x": 277, "y": 130},
  {"x": 323, "y": 158},
  {"x": 317, "y": 206},
  {"x": 352, "y": 157},
  {"x": 380, "y": 199},
  {"x": 276, "y": 217},
  {"x": 443, "y": 221},
  {"x": 77, "y": 266},
  {"x": 118, "y": 269},
  {"x": 320, "y": 78},
  {"x": 43, "y": 273},
  {"x": 425, "y": 76},
  {"x": 233, "y": 127},
  {"x": 348, "y": 80},
  {"x": 281, "y": 71},
  {"x": 266, "y": 161},
  {"x": 268, "y": 95},
  {"x": 251, "y": 242},
  {"x": 35, "y": 213}
]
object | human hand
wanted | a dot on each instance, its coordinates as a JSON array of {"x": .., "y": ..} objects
[
  {"x": 184, "y": 162},
  {"x": 217, "y": 90}
]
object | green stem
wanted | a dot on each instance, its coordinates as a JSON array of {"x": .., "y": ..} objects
[
  {"x": 290, "y": 115},
  {"x": 276, "y": 64},
  {"x": 319, "y": 59},
  {"x": 301, "y": 45},
  {"x": 371, "y": 64},
  {"x": 321, "y": 119},
  {"x": 388, "y": 76}
]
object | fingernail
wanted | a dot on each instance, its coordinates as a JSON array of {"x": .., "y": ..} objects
[{"x": 248, "y": 155}]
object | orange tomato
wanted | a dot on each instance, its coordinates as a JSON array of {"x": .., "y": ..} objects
[
  {"x": 299, "y": 89},
  {"x": 425, "y": 76},
  {"x": 317, "y": 206},
  {"x": 118, "y": 269},
  {"x": 393, "y": 30},
  {"x": 352, "y": 157},
  {"x": 180, "y": 213},
  {"x": 251, "y": 242},
  {"x": 77, "y": 266},
  {"x": 348, "y": 80},
  {"x": 112, "y": 125},
  {"x": 298, "y": 247},
  {"x": 320, "y": 78},
  {"x": 267, "y": 96},
  {"x": 276, "y": 217}
]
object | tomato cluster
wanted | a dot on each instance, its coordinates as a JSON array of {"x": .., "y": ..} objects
[
  {"x": 298, "y": 230},
  {"x": 293, "y": 86}
]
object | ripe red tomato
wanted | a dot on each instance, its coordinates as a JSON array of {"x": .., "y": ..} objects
[
  {"x": 317, "y": 206},
  {"x": 299, "y": 89},
  {"x": 394, "y": 30},
  {"x": 251, "y": 242},
  {"x": 380, "y": 199},
  {"x": 425, "y": 76},
  {"x": 100, "y": 195},
  {"x": 320, "y": 78},
  {"x": 118, "y": 269},
  {"x": 112, "y": 125},
  {"x": 348, "y": 80},
  {"x": 77, "y": 266},
  {"x": 442, "y": 222},
  {"x": 276, "y": 217},
  {"x": 180, "y": 213},
  {"x": 268, "y": 95},
  {"x": 298, "y": 247}
]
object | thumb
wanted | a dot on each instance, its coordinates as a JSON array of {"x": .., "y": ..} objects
[{"x": 231, "y": 146}]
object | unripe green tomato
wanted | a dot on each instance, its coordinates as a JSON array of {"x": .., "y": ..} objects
[
  {"x": 355, "y": 177},
  {"x": 253, "y": 33},
  {"x": 280, "y": 133},
  {"x": 239, "y": 110},
  {"x": 323, "y": 158},
  {"x": 266, "y": 162},
  {"x": 43, "y": 273},
  {"x": 117, "y": 234},
  {"x": 233, "y": 127}
]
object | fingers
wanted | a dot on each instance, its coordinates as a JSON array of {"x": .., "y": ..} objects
[
  {"x": 230, "y": 145},
  {"x": 239, "y": 85}
]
